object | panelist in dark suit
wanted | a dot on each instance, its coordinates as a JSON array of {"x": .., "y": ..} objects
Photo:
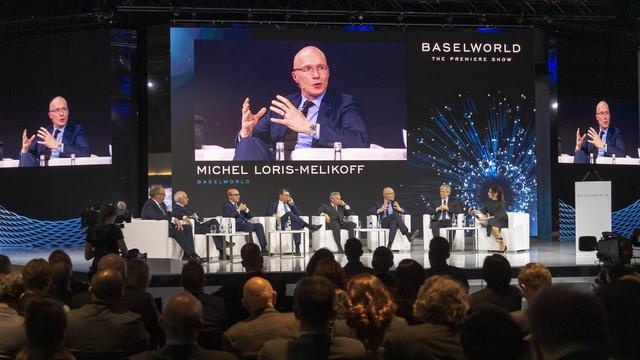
[
  {"x": 391, "y": 213},
  {"x": 607, "y": 141},
  {"x": 284, "y": 210},
  {"x": 239, "y": 210},
  {"x": 443, "y": 210},
  {"x": 335, "y": 215},
  {"x": 183, "y": 211},
  {"x": 155, "y": 209},
  {"x": 314, "y": 117},
  {"x": 58, "y": 140}
]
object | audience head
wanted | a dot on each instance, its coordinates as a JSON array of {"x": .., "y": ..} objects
[
  {"x": 315, "y": 258},
  {"x": 258, "y": 295},
  {"x": 442, "y": 301},
  {"x": 563, "y": 318},
  {"x": 182, "y": 318},
  {"x": 61, "y": 275},
  {"x": 491, "y": 333},
  {"x": 251, "y": 257},
  {"x": 138, "y": 276},
  {"x": 370, "y": 309},
  {"x": 353, "y": 249},
  {"x": 59, "y": 255},
  {"x": 382, "y": 259},
  {"x": 621, "y": 299},
  {"x": 332, "y": 271},
  {"x": 11, "y": 288},
  {"x": 410, "y": 275},
  {"x": 107, "y": 286},
  {"x": 192, "y": 277},
  {"x": 314, "y": 300},
  {"x": 496, "y": 272},
  {"x": 438, "y": 251},
  {"x": 37, "y": 275},
  {"x": 532, "y": 278},
  {"x": 5, "y": 264},
  {"x": 108, "y": 214},
  {"x": 45, "y": 323},
  {"x": 113, "y": 262}
]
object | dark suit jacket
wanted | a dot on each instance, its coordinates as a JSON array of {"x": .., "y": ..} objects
[
  {"x": 377, "y": 205},
  {"x": 313, "y": 347},
  {"x": 423, "y": 341},
  {"x": 615, "y": 145},
  {"x": 74, "y": 139},
  {"x": 333, "y": 214},
  {"x": 215, "y": 320},
  {"x": 272, "y": 208},
  {"x": 454, "y": 272},
  {"x": 248, "y": 336},
  {"x": 509, "y": 300},
  {"x": 339, "y": 118},
  {"x": 190, "y": 352},
  {"x": 229, "y": 210},
  {"x": 151, "y": 211},
  {"x": 105, "y": 328},
  {"x": 454, "y": 207},
  {"x": 180, "y": 211}
]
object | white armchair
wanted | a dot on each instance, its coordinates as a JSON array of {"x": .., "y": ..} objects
[
  {"x": 400, "y": 242},
  {"x": 516, "y": 237},
  {"x": 151, "y": 237},
  {"x": 323, "y": 238},
  {"x": 458, "y": 239}
]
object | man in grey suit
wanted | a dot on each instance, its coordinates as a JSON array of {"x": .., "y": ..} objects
[
  {"x": 264, "y": 323},
  {"x": 314, "y": 301},
  {"x": 104, "y": 326}
]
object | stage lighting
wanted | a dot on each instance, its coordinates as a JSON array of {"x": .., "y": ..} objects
[
  {"x": 150, "y": 84},
  {"x": 554, "y": 105}
]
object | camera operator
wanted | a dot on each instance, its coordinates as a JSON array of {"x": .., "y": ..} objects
[{"x": 104, "y": 238}]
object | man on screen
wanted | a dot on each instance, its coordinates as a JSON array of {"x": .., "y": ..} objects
[
  {"x": 607, "y": 141},
  {"x": 59, "y": 140},
  {"x": 314, "y": 117}
]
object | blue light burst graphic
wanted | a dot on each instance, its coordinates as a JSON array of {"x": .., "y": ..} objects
[{"x": 473, "y": 148}]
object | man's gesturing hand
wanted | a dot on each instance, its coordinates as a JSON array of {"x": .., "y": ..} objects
[
  {"x": 291, "y": 116},
  {"x": 249, "y": 119}
]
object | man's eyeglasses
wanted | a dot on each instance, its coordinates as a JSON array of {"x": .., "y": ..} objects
[
  {"x": 602, "y": 113},
  {"x": 310, "y": 68},
  {"x": 59, "y": 110},
  {"x": 236, "y": 194}
]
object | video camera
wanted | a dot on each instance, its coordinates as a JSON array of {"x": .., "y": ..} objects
[{"x": 612, "y": 249}]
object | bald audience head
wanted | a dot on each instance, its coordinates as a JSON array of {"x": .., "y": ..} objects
[
  {"x": 107, "y": 286},
  {"x": 182, "y": 318},
  {"x": 258, "y": 295},
  {"x": 113, "y": 262}
]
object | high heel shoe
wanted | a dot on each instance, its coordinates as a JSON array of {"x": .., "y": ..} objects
[{"x": 505, "y": 247}]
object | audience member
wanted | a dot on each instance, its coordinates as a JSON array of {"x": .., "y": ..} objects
[
  {"x": 182, "y": 321},
  {"x": 439, "y": 252},
  {"x": 124, "y": 330},
  {"x": 245, "y": 338},
  {"x": 353, "y": 251},
  {"x": 621, "y": 299},
  {"x": 440, "y": 307},
  {"x": 566, "y": 324},
  {"x": 315, "y": 258},
  {"x": 5, "y": 264},
  {"x": 331, "y": 270},
  {"x": 45, "y": 323},
  {"x": 232, "y": 289},
  {"x": 79, "y": 282},
  {"x": 496, "y": 272},
  {"x": 213, "y": 309},
  {"x": 410, "y": 275},
  {"x": 383, "y": 261},
  {"x": 36, "y": 275},
  {"x": 314, "y": 307},
  {"x": 60, "y": 287},
  {"x": 370, "y": 314},
  {"x": 12, "y": 334},
  {"x": 490, "y": 333},
  {"x": 532, "y": 278}
]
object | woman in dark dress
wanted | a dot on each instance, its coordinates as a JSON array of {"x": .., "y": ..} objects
[
  {"x": 495, "y": 212},
  {"x": 105, "y": 238}
]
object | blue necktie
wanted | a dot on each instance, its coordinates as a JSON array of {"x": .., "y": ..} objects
[{"x": 286, "y": 208}]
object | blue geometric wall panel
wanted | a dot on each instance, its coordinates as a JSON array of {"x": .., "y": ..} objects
[
  {"x": 17, "y": 231},
  {"x": 623, "y": 221}
]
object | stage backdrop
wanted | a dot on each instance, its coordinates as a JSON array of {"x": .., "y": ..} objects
[{"x": 450, "y": 107}]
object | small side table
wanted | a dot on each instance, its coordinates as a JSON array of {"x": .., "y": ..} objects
[
  {"x": 383, "y": 231},
  {"x": 226, "y": 237},
  {"x": 462, "y": 228},
  {"x": 279, "y": 233}
]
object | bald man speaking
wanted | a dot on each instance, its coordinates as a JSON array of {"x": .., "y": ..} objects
[
  {"x": 313, "y": 117},
  {"x": 606, "y": 141},
  {"x": 58, "y": 140}
]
